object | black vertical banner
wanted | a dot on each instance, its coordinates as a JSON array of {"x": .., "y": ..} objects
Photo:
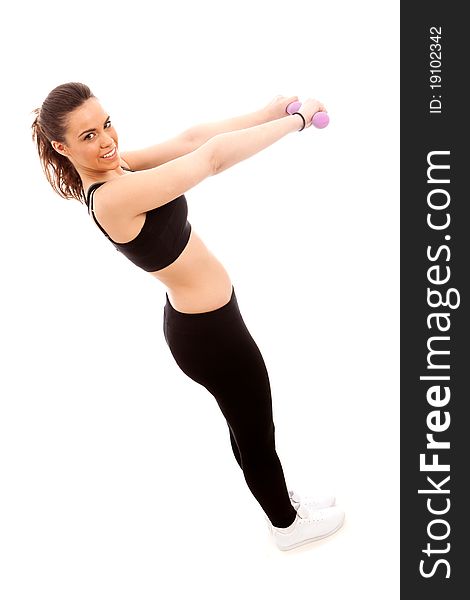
[{"x": 435, "y": 301}]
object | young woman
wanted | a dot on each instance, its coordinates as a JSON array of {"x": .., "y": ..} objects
[{"x": 137, "y": 200}]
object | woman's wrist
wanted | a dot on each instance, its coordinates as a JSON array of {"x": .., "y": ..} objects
[{"x": 300, "y": 120}]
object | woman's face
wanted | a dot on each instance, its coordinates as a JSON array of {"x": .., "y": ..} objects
[{"x": 85, "y": 148}]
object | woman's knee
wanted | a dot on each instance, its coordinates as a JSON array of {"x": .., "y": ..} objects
[{"x": 256, "y": 443}]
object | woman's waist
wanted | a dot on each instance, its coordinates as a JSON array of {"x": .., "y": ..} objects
[{"x": 196, "y": 281}]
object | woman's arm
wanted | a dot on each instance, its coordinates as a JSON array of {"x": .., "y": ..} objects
[
  {"x": 149, "y": 189},
  {"x": 233, "y": 147},
  {"x": 159, "y": 154},
  {"x": 189, "y": 140},
  {"x": 199, "y": 134},
  {"x": 194, "y": 137}
]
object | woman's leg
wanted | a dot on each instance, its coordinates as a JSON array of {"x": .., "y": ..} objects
[
  {"x": 235, "y": 448},
  {"x": 216, "y": 350}
]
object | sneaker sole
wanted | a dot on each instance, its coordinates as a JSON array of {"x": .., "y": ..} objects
[{"x": 310, "y": 540}]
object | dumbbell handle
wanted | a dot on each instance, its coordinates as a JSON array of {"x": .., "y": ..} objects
[{"x": 319, "y": 120}]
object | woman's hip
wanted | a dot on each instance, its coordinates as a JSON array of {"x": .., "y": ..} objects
[
  {"x": 203, "y": 322},
  {"x": 216, "y": 349},
  {"x": 204, "y": 291}
]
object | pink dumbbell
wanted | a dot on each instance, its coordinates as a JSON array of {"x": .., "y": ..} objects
[{"x": 320, "y": 119}]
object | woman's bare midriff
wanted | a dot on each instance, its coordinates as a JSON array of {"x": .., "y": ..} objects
[{"x": 196, "y": 281}]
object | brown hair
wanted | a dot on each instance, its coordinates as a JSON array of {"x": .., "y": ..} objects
[{"x": 51, "y": 124}]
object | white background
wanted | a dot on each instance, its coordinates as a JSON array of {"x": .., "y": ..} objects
[{"x": 116, "y": 472}]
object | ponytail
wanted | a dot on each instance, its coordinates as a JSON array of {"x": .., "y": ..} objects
[{"x": 50, "y": 123}]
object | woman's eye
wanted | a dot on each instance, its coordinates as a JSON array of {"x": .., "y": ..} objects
[{"x": 89, "y": 138}]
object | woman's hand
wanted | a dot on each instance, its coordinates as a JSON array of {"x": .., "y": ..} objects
[
  {"x": 277, "y": 107},
  {"x": 309, "y": 108}
]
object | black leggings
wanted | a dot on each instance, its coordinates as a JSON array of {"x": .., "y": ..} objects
[{"x": 216, "y": 350}]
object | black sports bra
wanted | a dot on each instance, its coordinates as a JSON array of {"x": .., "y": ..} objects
[{"x": 163, "y": 236}]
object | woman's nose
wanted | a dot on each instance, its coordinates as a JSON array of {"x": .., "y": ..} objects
[{"x": 107, "y": 142}]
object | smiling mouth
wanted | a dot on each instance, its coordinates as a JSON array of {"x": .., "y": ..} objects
[{"x": 110, "y": 154}]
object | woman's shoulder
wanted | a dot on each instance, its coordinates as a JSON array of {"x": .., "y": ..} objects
[
  {"x": 124, "y": 165},
  {"x": 118, "y": 226},
  {"x": 97, "y": 184}
]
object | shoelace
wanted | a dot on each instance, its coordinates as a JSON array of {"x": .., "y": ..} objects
[
  {"x": 294, "y": 497},
  {"x": 303, "y": 511}
]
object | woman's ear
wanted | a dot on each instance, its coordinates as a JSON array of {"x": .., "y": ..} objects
[{"x": 59, "y": 147}]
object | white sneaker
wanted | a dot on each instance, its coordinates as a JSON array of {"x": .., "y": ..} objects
[
  {"x": 308, "y": 526},
  {"x": 312, "y": 502}
]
